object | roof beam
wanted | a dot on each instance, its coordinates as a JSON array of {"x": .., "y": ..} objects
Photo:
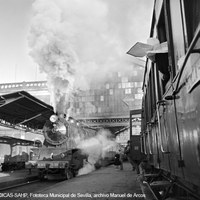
[
  {"x": 26, "y": 120},
  {"x": 9, "y": 101}
]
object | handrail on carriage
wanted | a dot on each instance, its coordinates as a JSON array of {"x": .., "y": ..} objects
[{"x": 190, "y": 50}]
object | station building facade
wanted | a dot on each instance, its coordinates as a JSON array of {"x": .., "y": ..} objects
[{"x": 106, "y": 103}]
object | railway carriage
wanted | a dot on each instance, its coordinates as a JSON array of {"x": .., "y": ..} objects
[
  {"x": 17, "y": 158},
  {"x": 170, "y": 133}
]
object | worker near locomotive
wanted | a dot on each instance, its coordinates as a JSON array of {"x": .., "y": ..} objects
[
  {"x": 70, "y": 149},
  {"x": 133, "y": 161}
]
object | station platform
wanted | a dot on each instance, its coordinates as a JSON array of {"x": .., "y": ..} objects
[
  {"x": 103, "y": 184},
  {"x": 106, "y": 183},
  {"x": 15, "y": 177}
]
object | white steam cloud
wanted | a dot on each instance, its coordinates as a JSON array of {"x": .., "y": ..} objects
[
  {"x": 78, "y": 41},
  {"x": 96, "y": 148}
]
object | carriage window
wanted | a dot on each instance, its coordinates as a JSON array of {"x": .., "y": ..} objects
[
  {"x": 163, "y": 68},
  {"x": 145, "y": 113},
  {"x": 150, "y": 97},
  {"x": 161, "y": 28},
  {"x": 192, "y": 17},
  {"x": 161, "y": 59},
  {"x": 178, "y": 42},
  {"x": 153, "y": 94}
]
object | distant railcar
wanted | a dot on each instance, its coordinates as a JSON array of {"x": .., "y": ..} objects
[
  {"x": 14, "y": 162},
  {"x": 170, "y": 134},
  {"x": 17, "y": 161}
]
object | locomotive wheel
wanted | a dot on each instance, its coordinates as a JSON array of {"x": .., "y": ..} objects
[
  {"x": 41, "y": 176},
  {"x": 68, "y": 174}
]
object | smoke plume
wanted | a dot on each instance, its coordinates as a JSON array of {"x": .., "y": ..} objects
[
  {"x": 76, "y": 42},
  {"x": 96, "y": 149}
]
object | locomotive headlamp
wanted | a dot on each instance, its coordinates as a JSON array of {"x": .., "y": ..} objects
[
  {"x": 53, "y": 118},
  {"x": 61, "y": 128},
  {"x": 72, "y": 121}
]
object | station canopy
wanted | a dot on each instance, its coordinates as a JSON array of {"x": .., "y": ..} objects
[
  {"x": 17, "y": 141},
  {"x": 21, "y": 109}
]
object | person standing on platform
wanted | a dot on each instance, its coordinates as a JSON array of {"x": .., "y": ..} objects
[
  {"x": 127, "y": 151},
  {"x": 119, "y": 159}
]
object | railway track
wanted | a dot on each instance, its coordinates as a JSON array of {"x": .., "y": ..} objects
[
  {"x": 18, "y": 185},
  {"x": 28, "y": 187}
]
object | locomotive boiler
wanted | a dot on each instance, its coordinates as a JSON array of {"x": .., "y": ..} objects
[
  {"x": 59, "y": 154},
  {"x": 170, "y": 133}
]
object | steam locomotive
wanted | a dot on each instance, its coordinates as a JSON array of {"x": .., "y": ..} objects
[
  {"x": 170, "y": 133},
  {"x": 59, "y": 154}
]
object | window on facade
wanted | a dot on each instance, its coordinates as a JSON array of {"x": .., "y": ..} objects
[
  {"x": 119, "y": 85},
  {"x": 80, "y": 104},
  {"x": 138, "y": 84},
  {"x": 138, "y": 102},
  {"x": 124, "y": 79},
  {"x": 101, "y": 98},
  {"x": 123, "y": 85},
  {"x": 111, "y": 91},
  {"x": 83, "y": 99},
  {"x": 131, "y": 84},
  {"x": 90, "y": 98},
  {"x": 107, "y": 86},
  {"x": 135, "y": 73},
  {"x": 138, "y": 96},
  {"x": 128, "y": 91},
  {"x": 128, "y": 85},
  {"x": 78, "y": 111},
  {"x": 99, "y": 110},
  {"x": 139, "y": 90}
]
